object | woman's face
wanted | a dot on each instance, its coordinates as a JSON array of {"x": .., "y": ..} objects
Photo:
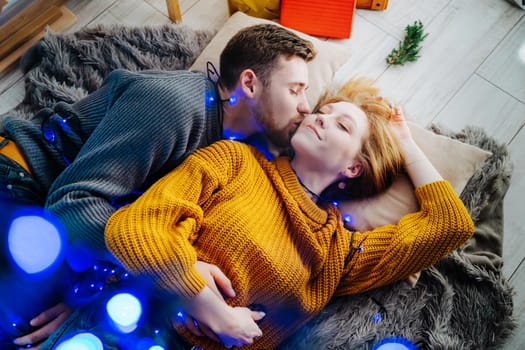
[{"x": 332, "y": 138}]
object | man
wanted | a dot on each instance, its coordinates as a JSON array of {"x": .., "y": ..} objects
[{"x": 83, "y": 160}]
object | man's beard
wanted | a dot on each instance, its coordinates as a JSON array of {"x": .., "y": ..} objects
[{"x": 279, "y": 137}]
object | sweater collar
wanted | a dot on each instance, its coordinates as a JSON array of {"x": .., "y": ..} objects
[{"x": 307, "y": 205}]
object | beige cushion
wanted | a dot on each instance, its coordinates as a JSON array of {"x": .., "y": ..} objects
[
  {"x": 455, "y": 161},
  {"x": 321, "y": 70}
]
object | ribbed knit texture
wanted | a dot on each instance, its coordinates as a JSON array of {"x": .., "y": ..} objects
[
  {"x": 140, "y": 126},
  {"x": 227, "y": 205}
]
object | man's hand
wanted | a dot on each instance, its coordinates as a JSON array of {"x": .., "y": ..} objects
[{"x": 46, "y": 323}]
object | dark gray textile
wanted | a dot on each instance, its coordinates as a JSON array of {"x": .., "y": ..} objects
[
  {"x": 138, "y": 124},
  {"x": 463, "y": 302}
]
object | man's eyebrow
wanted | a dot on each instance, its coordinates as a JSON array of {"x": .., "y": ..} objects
[{"x": 297, "y": 83}]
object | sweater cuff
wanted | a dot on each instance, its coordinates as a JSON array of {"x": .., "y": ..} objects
[
  {"x": 186, "y": 285},
  {"x": 435, "y": 191}
]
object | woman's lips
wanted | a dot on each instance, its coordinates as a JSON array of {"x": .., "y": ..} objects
[{"x": 311, "y": 127}]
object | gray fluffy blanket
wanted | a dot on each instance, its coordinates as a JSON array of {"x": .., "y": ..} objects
[{"x": 463, "y": 302}]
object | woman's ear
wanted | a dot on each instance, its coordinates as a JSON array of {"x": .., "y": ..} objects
[
  {"x": 248, "y": 80},
  {"x": 354, "y": 170}
]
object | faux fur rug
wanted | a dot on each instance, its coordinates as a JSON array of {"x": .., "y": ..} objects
[{"x": 463, "y": 302}]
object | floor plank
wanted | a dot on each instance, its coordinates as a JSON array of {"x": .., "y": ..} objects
[
  {"x": 209, "y": 14},
  {"x": 369, "y": 46},
  {"x": 12, "y": 97},
  {"x": 457, "y": 44},
  {"x": 517, "y": 341},
  {"x": 132, "y": 13},
  {"x": 514, "y": 223},
  {"x": 86, "y": 11},
  {"x": 401, "y": 13},
  {"x": 160, "y": 5},
  {"x": 483, "y": 104},
  {"x": 9, "y": 77},
  {"x": 505, "y": 67}
]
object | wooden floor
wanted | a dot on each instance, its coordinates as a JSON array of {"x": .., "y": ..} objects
[{"x": 471, "y": 72}]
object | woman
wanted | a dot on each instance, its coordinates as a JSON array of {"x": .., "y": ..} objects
[{"x": 269, "y": 227}]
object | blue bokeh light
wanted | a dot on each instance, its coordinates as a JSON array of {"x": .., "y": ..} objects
[
  {"x": 394, "y": 343},
  {"x": 82, "y": 341},
  {"x": 124, "y": 309},
  {"x": 35, "y": 242},
  {"x": 156, "y": 347}
]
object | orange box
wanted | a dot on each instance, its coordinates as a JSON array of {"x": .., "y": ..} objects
[
  {"x": 329, "y": 18},
  {"x": 372, "y": 4}
]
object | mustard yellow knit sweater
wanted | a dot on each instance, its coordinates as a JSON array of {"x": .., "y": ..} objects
[{"x": 229, "y": 206}]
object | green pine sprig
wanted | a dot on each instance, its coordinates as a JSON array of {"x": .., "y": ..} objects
[{"x": 408, "y": 49}]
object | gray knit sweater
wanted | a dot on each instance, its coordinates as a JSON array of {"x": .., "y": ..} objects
[{"x": 125, "y": 135}]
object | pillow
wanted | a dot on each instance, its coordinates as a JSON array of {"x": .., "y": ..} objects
[
  {"x": 455, "y": 161},
  {"x": 321, "y": 69}
]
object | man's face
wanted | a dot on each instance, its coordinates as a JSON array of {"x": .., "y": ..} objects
[{"x": 280, "y": 104}]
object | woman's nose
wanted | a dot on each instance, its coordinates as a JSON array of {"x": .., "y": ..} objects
[{"x": 319, "y": 119}]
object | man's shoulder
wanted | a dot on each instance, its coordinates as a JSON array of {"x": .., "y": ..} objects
[{"x": 147, "y": 75}]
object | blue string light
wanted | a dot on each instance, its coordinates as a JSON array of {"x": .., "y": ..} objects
[
  {"x": 228, "y": 134},
  {"x": 377, "y": 317},
  {"x": 37, "y": 232},
  {"x": 81, "y": 341},
  {"x": 125, "y": 310},
  {"x": 394, "y": 343}
]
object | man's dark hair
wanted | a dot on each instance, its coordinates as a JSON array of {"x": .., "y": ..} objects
[{"x": 258, "y": 48}]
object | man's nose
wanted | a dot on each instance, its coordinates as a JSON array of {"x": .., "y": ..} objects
[{"x": 303, "y": 106}]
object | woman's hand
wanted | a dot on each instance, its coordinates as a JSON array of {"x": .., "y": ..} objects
[
  {"x": 417, "y": 165},
  {"x": 216, "y": 280},
  {"x": 233, "y": 326},
  {"x": 241, "y": 329},
  {"x": 399, "y": 125},
  {"x": 46, "y": 323},
  {"x": 221, "y": 285}
]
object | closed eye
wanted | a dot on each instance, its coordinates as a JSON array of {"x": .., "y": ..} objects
[{"x": 344, "y": 127}]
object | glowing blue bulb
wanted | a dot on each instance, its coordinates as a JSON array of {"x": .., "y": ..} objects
[
  {"x": 37, "y": 235},
  {"x": 124, "y": 310},
  {"x": 81, "y": 341},
  {"x": 156, "y": 347},
  {"x": 232, "y": 100},
  {"x": 376, "y": 318},
  {"x": 335, "y": 203},
  {"x": 227, "y": 134},
  {"x": 347, "y": 218},
  {"x": 394, "y": 343}
]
